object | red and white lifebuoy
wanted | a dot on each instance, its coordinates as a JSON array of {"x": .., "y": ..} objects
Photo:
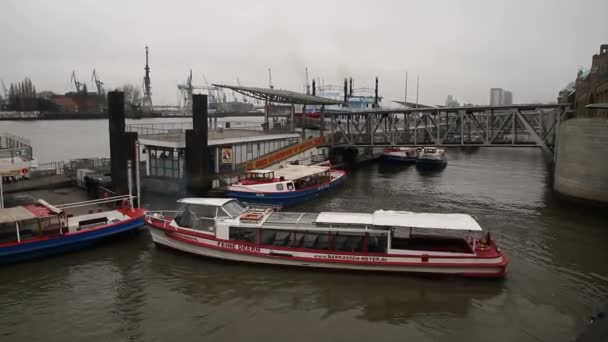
[{"x": 24, "y": 171}]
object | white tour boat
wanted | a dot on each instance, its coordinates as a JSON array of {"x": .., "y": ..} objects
[{"x": 395, "y": 241}]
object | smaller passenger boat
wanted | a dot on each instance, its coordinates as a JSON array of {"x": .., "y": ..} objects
[
  {"x": 41, "y": 229},
  {"x": 432, "y": 158},
  {"x": 405, "y": 155},
  {"x": 385, "y": 240},
  {"x": 289, "y": 185}
]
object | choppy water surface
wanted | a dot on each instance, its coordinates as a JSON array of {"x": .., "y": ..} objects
[{"x": 131, "y": 290}]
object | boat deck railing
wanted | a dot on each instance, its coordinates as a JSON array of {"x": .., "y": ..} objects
[
  {"x": 95, "y": 202},
  {"x": 161, "y": 215}
]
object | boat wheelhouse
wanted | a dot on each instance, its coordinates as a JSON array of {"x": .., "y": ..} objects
[
  {"x": 385, "y": 240},
  {"x": 406, "y": 155},
  {"x": 288, "y": 185},
  {"x": 41, "y": 229},
  {"x": 432, "y": 158}
]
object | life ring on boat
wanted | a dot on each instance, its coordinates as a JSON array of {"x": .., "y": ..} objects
[
  {"x": 24, "y": 171},
  {"x": 251, "y": 216}
]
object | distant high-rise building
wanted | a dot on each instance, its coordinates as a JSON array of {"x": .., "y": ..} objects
[
  {"x": 495, "y": 96},
  {"x": 507, "y": 98},
  {"x": 451, "y": 101}
]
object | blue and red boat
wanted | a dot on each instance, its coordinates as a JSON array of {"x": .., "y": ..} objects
[
  {"x": 432, "y": 158},
  {"x": 403, "y": 155},
  {"x": 40, "y": 229},
  {"x": 287, "y": 186}
]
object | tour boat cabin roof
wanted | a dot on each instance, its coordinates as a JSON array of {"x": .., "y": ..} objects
[
  {"x": 345, "y": 218},
  {"x": 425, "y": 220},
  {"x": 293, "y": 172},
  {"x": 391, "y": 218},
  {"x": 212, "y": 202}
]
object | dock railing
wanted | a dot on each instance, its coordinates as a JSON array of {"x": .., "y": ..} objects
[
  {"x": 161, "y": 128},
  {"x": 180, "y": 126}
]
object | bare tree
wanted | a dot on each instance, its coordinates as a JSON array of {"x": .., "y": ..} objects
[{"x": 132, "y": 96}]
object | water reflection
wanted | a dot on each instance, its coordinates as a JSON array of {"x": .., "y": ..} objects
[{"x": 383, "y": 297}]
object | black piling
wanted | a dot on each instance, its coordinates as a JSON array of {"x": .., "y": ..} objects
[
  {"x": 351, "y": 87},
  {"x": 345, "y": 91},
  {"x": 197, "y": 151},
  {"x": 376, "y": 94},
  {"x": 118, "y": 153},
  {"x": 314, "y": 88}
]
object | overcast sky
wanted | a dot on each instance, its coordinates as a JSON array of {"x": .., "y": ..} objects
[{"x": 457, "y": 47}]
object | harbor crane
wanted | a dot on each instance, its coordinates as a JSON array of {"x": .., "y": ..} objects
[
  {"x": 95, "y": 79},
  {"x": 77, "y": 84},
  {"x": 188, "y": 88}
]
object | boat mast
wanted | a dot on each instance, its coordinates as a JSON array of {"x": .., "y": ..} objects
[
  {"x": 405, "y": 96},
  {"x": 417, "y": 87}
]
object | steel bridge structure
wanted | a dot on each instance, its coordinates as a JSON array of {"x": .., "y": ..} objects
[{"x": 514, "y": 125}]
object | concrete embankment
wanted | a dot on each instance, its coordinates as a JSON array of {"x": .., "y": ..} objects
[
  {"x": 581, "y": 168},
  {"x": 37, "y": 183}
]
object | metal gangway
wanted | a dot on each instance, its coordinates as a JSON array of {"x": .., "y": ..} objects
[{"x": 529, "y": 125}]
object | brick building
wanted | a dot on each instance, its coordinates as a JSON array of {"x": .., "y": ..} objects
[{"x": 591, "y": 86}]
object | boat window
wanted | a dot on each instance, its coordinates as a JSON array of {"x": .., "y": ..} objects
[
  {"x": 186, "y": 217},
  {"x": 268, "y": 236},
  {"x": 243, "y": 234},
  {"x": 348, "y": 243},
  {"x": 222, "y": 214},
  {"x": 282, "y": 239},
  {"x": 203, "y": 210},
  {"x": 280, "y": 187},
  {"x": 309, "y": 241},
  {"x": 376, "y": 243},
  {"x": 8, "y": 232},
  {"x": 234, "y": 208},
  {"x": 323, "y": 242},
  {"x": 290, "y": 186},
  {"x": 297, "y": 240}
]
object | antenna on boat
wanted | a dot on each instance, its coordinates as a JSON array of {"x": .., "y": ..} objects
[
  {"x": 130, "y": 182},
  {"x": 1, "y": 193},
  {"x": 137, "y": 176}
]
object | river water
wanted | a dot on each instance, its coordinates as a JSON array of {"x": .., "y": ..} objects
[{"x": 131, "y": 290}]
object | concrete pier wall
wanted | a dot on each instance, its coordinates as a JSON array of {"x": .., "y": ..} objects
[{"x": 581, "y": 168}]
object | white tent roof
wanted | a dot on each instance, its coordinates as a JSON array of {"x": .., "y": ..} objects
[
  {"x": 212, "y": 202},
  {"x": 390, "y": 218},
  {"x": 15, "y": 214},
  {"x": 425, "y": 220},
  {"x": 293, "y": 172},
  {"x": 345, "y": 218}
]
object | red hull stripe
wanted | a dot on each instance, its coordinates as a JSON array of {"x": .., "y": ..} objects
[
  {"x": 159, "y": 225},
  {"x": 501, "y": 265}
]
